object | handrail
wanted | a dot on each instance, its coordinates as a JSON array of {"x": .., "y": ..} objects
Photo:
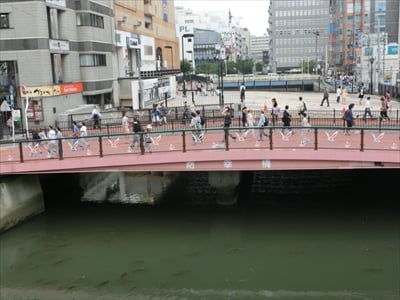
[{"x": 274, "y": 140}]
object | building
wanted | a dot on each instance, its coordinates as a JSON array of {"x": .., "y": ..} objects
[
  {"x": 298, "y": 33},
  {"x": 63, "y": 55},
  {"x": 56, "y": 54},
  {"x": 259, "y": 48},
  {"x": 147, "y": 51}
]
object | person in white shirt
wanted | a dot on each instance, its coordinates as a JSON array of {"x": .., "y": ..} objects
[
  {"x": 83, "y": 133},
  {"x": 53, "y": 149},
  {"x": 338, "y": 94},
  {"x": 367, "y": 109}
]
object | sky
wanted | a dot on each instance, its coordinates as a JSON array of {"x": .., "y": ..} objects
[{"x": 253, "y": 14}]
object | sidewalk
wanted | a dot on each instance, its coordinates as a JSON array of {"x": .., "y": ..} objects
[{"x": 255, "y": 100}]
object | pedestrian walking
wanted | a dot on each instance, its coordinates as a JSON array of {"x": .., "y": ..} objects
[
  {"x": 302, "y": 107},
  {"x": 325, "y": 97},
  {"x": 338, "y": 94},
  {"x": 96, "y": 117},
  {"x": 163, "y": 114},
  {"x": 155, "y": 115},
  {"x": 147, "y": 139},
  {"x": 185, "y": 115},
  {"x": 383, "y": 110},
  {"x": 349, "y": 118},
  {"x": 83, "y": 143},
  {"x": 262, "y": 123},
  {"x": 250, "y": 124},
  {"x": 227, "y": 123},
  {"x": 53, "y": 148},
  {"x": 344, "y": 95},
  {"x": 242, "y": 92},
  {"x": 361, "y": 93},
  {"x": 244, "y": 117},
  {"x": 275, "y": 110},
  {"x": 126, "y": 126},
  {"x": 286, "y": 119},
  {"x": 367, "y": 109},
  {"x": 137, "y": 128},
  {"x": 9, "y": 124},
  {"x": 305, "y": 129}
]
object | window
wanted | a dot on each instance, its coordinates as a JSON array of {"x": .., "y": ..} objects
[
  {"x": 88, "y": 19},
  {"x": 92, "y": 60},
  {"x": 148, "y": 50},
  {"x": 148, "y": 21},
  {"x": 4, "y": 21}
]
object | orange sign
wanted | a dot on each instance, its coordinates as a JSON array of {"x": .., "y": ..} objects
[{"x": 71, "y": 88}]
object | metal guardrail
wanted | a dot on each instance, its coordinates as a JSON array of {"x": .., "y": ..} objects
[{"x": 101, "y": 145}]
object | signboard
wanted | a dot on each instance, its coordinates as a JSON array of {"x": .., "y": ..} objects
[
  {"x": 35, "y": 110},
  {"x": 71, "y": 88},
  {"x": 59, "y": 45},
  {"x": 132, "y": 43},
  {"x": 393, "y": 49},
  {"x": 184, "y": 29},
  {"x": 56, "y": 2},
  {"x": 51, "y": 90}
]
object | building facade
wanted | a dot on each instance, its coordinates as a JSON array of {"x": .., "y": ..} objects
[
  {"x": 298, "y": 32},
  {"x": 56, "y": 54}
]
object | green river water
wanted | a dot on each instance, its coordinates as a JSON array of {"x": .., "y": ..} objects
[{"x": 116, "y": 251}]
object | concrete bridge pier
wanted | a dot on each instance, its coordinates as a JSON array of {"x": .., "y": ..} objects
[
  {"x": 226, "y": 184},
  {"x": 20, "y": 197}
]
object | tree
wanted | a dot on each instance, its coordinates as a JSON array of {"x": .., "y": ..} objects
[{"x": 186, "y": 67}]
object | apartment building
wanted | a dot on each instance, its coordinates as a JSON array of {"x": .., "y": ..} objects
[{"x": 62, "y": 55}]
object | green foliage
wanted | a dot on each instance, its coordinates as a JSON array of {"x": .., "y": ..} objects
[
  {"x": 186, "y": 66},
  {"x": 207, "y": 68},
  {"x": 307, "y": 66}
]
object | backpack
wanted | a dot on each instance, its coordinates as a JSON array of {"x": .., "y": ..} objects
[
  {"x": 202, "y": 120},
  {"x": 304, "y": 106},
  {"x": 266, "y": 122},
  {"x": 136, "y": 127}
]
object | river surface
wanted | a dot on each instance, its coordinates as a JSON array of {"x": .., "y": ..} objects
[{"x": 116, "y": 251}]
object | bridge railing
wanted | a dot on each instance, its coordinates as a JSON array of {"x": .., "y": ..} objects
[
  {"x": 175, "y": 120},
  {"x": 208, "y": 139}
]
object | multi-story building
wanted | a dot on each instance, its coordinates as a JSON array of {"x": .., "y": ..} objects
[
  {"x": 62, "y": 55},
  {"x": 147, "y": 51},
  {"x": 57, "y": 54},
  {"x": 259, "y": 48},
  {"x": 298, "y": 32}
]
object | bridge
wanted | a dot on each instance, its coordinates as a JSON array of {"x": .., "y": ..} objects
[
  {"x": 373, "y": 144},
  {"x": 176, "y": 150}
]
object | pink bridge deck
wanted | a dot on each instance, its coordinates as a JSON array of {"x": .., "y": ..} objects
[{"x": 335, "y": 150}]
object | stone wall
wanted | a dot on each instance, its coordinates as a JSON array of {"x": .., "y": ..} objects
[{"x": 20, "y": 197}]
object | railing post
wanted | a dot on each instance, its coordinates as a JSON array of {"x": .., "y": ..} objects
[
  {"x": 362, "y": 140},
  {"x": 21, "y": 154},
  {"x": 101, "y": 146},
  {"x": 141, "y": 141},
  {"x": 315, "y": 138},
  {"x": 60, "y": 150},
  {"x": 183, "y": 141},
  {"x": 271, "y": 146}
]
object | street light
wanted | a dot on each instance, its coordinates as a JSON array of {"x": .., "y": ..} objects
[
  {"x": 187, "y": 35},
  {"x": 172, "y": 56},
  {"x": 371, "y": 60},
  {"x": 316, "y": 52}
]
